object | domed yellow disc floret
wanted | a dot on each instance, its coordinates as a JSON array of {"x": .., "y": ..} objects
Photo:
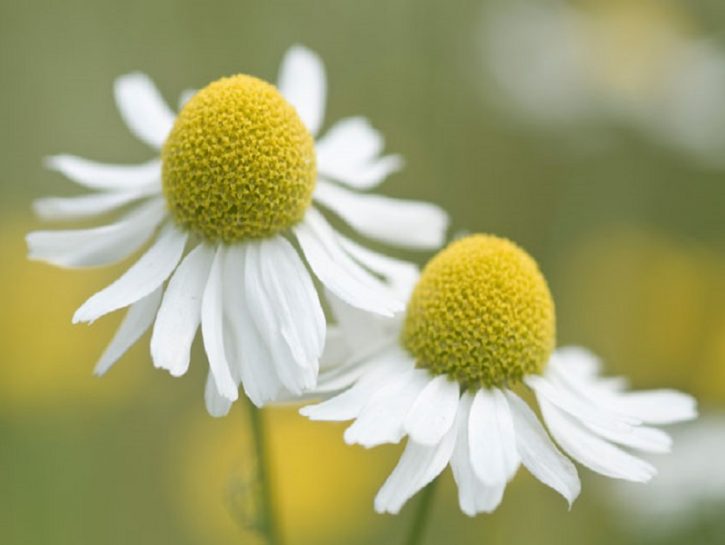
[
  {"x": 238, "y": 163},
  {"x": 481, "y": 313}
]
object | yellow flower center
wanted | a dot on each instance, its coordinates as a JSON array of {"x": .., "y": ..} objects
[
  {"x": 238, "y": 163},
  {"x": 481, "y": 313}
]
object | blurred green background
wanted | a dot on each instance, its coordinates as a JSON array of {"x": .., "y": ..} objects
[{"x": 623, "y": 211}]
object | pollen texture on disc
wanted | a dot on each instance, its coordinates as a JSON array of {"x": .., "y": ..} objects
[
  {"x": 239, "y": 163},
  {"x": 481, "y": 313}
]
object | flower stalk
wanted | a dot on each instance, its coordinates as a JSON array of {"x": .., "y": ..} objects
[{"x": 267, "y": 516}]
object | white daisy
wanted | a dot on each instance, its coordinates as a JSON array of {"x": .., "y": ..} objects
[
  {"x": 237, "y": 174},
  {"x": 480, "y": 323}
]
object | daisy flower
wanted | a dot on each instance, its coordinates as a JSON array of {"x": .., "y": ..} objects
[
  {"x": 479, "y": 326},
  {"x": 231, "y": 208}
]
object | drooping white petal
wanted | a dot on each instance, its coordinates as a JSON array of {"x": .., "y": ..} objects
[
  {"x": 656, "y": 406},
  {"x": 84, "y": 206},
  {"x": 341, "y": 366},
  {"x": 212, "y": 329},
  {"x": 144, "y": 276},
  {"x": 492, "y": 438},
  {"x": 579, "y": 406},
  {"x": 364, "y": 334},
  {"x": 336, "y": 350},
  {"x": 338, "y": 272},
  {"x": 252, "y": 359},
  {"x": 539, "y": 454},
  {"x": 418, "y": 466},
  {"x": 216, "y": 404},
  {"x": 349, "y": 153},
  {"x": 473, "y": 496},
  {"x": 105, "y": 176},
  {"x": 138, "y": 319},
  {"x": 99, "y": 245},
  {"x": 592, "y": 451},
  {"x": 401, "y": 222},
  {"x": 180, "y": 312},
  {"x": 434, "y": 411},
  {"x": 348, "y": 404},
  {"x": 286, "y": 310},
  {"x": 143, "y": 108},
  {"x": 641, "y": 438},
  {"x": 302, "y": 82},
  {"x": 381, "y": 419},
  {"x": 288, "y": 282},
  {"x": 400, "y": 275}
]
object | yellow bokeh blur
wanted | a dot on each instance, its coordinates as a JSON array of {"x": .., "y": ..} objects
[
  {"x": 46, "y": 360},
  {"x": 322, "y": 487},
  {"x": 656, "y": 304}
]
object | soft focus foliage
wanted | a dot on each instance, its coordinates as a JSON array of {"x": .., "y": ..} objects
[{"x": 601, "y": 155}]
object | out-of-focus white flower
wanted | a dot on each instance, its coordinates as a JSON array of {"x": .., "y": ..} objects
[
  {"x": 238, "y": 172},
  {"x": 632, "y": 63},
  {"x": 479, "y": 325},
  {"x": 690, "y": 483}
]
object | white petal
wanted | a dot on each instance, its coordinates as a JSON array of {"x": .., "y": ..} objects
[
  {"x": 473, "y": 496},
  {"x": 418, "y": 466},
  {"x": 302, "y": 324},
  {"x": 348, "y": 404},
  {"x": 107, "y": 177},
  {"x": 302, "y": 82},
  {"x": 338, "y": 272},
  {"x": 252, "y": 357},
  {"x": 285, "y": 307},
  {"x": 364, "y": 334},
  {"x": 180, "y": 312},
  {"x": 216, "y": 404},
  {"x": 99, "y": 245},
  {"x": 578, "y": 369},
  {"x": 577, "y": 361},
  {"x": 349, "y": 151},
  {"x": 212, "y": 329},
  {"x": 591, "y": 451},
  {"x": 639, "y": 437},
  {"x": 143, "y": 108},
  {"x": 400, "y": 275},
  {"x": 144, "y": 276},
  {"x": 434, "y": 411},
  {"x": 539, "y": 454},
  {"x": 340, "y": 367},
  {"x": 381, "y": 420},
  {"x": 84, "y": 206},
  {"x": 656, "y": 406},
  {"x": 492, "y": 438},
  {"x": 185, "y": 96},
  {"x": 336, "y": 350},
  {"x": 579, "y": 406},
  {"x": 412, "y": 224},
  {"x": 138, "y": 319}
]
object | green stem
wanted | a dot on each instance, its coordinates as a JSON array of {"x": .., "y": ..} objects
[
  {"x": 421, "y": 515},
  {"x": 268, "y": 520}
]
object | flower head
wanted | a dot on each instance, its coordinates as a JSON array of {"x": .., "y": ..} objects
[
  {"x": 238, "y": 163},
  {"x": 480, "y": 321},
  {"x": 481, "y": 314},
  {"x": 239, "y": 174}
]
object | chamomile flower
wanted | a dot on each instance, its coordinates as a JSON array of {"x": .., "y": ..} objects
[
  {"x": 480, "y": 324},
  {"x": 238, "y": 173}
]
